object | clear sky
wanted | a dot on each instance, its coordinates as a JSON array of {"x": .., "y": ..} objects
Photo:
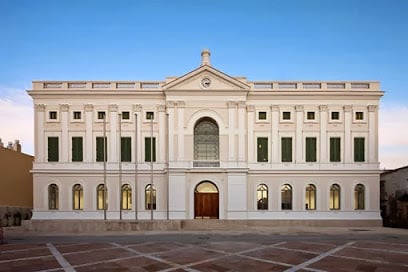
[{"x": 149, "y": 40}]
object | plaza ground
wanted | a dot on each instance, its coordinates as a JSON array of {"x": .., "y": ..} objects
[{"x": 262, "y": 249}]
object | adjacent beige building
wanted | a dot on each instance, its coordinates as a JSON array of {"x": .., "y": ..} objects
[{"x": 206, "y": 145}]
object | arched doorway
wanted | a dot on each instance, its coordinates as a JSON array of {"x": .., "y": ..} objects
[{"x": 206, "y": 200}]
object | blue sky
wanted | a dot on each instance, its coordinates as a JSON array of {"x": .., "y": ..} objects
[{"x": 262, "y": 40}]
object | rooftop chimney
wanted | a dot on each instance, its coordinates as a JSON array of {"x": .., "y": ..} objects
[
  {"x": 1, "y": 143},
  {"x": 205, "y": 57},
  {"x": 17, "y": 146},
  {"x": 10, "y": 145}
]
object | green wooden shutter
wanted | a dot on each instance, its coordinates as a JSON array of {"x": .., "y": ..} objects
[
  {"x": 126, "y": 149},
  {"x": 100, "y": 150},
  {"x": 286, "y": 149},
  {"x": 311, "y": 149},
  {"x": 335, "y": 149},
  {"x": 359, "y": 149},
  {"x": 262, "y": 149},
  {"x": 77, "y": 153},
  {"x": 148, "y": 149},
  {"x": 53, "y": 149}
]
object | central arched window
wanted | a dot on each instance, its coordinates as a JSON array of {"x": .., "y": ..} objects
[
  {"x": 126, "y": 197},
  {"x": 53, "y": 197},
  {"x": 262, "y": 197},
  {"x": 310, "y": 197},
  {"x": 286, "y": 195},
  {"x": 206, "y": 143}
]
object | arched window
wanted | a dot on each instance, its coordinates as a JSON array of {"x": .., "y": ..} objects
[
  {"x": 53, "y": 196},
  {"x": 286, "y": 197},
  {"x": 335, "y": 197},
  {"x": 126, "y": 197},
  {"x": 262, "y": 197},
  {"x": 310, "y": 197},
  {"x": 78, "y": 197},
  {"x": 150, "y": 197},
  {"x": 359, "y": 197},
  {"x": 101, "y": 197},
  {"x": 206, "y": 143}
]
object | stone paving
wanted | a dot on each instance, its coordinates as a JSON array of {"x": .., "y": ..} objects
[{"x": 228, "y": 255}]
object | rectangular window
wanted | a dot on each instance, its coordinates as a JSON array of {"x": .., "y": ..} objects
[
  {"x": 77, "y": 115},
  {"x": 359, "y": 115},
  {"x": 101, "y": 150},
  {"x": 101, "y": 115},
  {"x": 262, "y": 149},
  {"x": 262, "y": 115},
  {"x": 53, "y": 149},
  {"x": 335, "y": 115},
  {"x": 335, "y": 149},
  {"x": 149, "y": 115},
  {"x": 53, "y": 115},
  {"x": 77, "y": 149},
  {"x": 126, "y": 149},
  {"x": 359, "y": 149},
  {"x": 310, "y": 115},
  {"x": 125, "y": 115},
  {"x": 286, "y": 149},
  {"x": 286, "y": 115},
  {"x": 149, "y": 149},
  {"x": 311, "y": 149}
]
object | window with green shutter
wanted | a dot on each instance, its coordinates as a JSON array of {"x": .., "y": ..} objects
[
  {"x": 335, "y": 149},
  {"x": 77, "y": 149},
  {"x": 149, "y": 149},
  {"x": 311, "y": 149},
  {"x": 126, "y": 149},
  {"x": 53, "y": 149},
  {"x": 101, "y": 150},
  {"x": 286, "y": 149},
  {"x": 359, "y": 149},
  {"x": 262, "y": 149}
]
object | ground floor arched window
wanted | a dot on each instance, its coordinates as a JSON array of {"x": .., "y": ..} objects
[
  {"x": 53, "y": 197},
  {"x": 262, "y": 197},
  {"x": 126, "y": 197},
  {"x": 150, "y": 197},
  {"x": 310, "y": 197},
  {"x": 359, "y": 192},
  {"x": 286, "y": 197},
  {"x": 335, "y": 197},
  {"x": 78, "y": 197},
  {"x": 101, "y": 197}
]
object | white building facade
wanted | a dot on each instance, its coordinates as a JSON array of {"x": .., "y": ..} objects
[{"x": 206, "y": 145}]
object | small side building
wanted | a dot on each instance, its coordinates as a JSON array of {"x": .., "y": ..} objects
[
  {"x": 394, "y": 197},
  {"x": 16, "y": 184}
]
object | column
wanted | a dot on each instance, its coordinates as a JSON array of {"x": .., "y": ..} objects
[
  {"x": 161, "y": 109},
  {"x": 39, "y": 133},
  {"x": 348, "y": 152},
  {"x": 180, "y": 134},
  {"x": 299, "y": 134},
  {"x": 113, "y": 132},
  {"x": 241, "y": 131},
  {"x": 323, "y": 133},
  {"x": 88, "y": 133},
  {"x": 64, "y": 133},
  {"x": 372, "y": 134},
  {"x": 170, "y": 112},
  {"x": 274, "y": 133},
  {"x": 251, "y": 143},
  {"x": 137, "y": 108},
  {"x": 231, "y": 130}
]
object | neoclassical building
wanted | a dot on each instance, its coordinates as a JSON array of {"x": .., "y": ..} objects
[{"x": 206, "y": 145}]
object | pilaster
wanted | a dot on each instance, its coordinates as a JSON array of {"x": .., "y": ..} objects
[
  {"x": 372, "y": 134},
  {"x": 39, "y": 133},
  {"x": 137, "y": 109},
  {"x": 232, "y": 105},
  {"x": 299, "y": 133},
  {"x": 180, "y": 133},
  {"x": 348, "y": 152},
  {"x": 88, "y": 132},
  {"x": 161, "y": 109},
  {"x": 323, "y": 133},
  {"x": 113, "y": 133},
  {"x": 251, "y": 143},
  {"x": 274, "y": 133},
  {"x": 170, "y": 111},
  {"x": 241, "y": 131},
  {"x": 64, "y": 133}
]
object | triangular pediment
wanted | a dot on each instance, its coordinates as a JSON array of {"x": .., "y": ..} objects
[{"x": 206, "y": 78}]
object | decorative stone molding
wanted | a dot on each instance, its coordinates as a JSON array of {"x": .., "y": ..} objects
[
  {"x": 88, "y": 107},
  {"x": 274, "y": 107},
  {"x": 113, "y": 108},
  {"x": 250, "y": 108},
  {"x": 299, "y": 108},
  {"x": 372, "y": 108},
  {"x": 161, "y": 108},
  {"x": 323, "y": 108},
  {"x": 64, "y": 107},
  {"x": 348, "y": 108},
  {"x": 170, "y": 104},
  {"x": 137, "y": 107},
  {"x": 181, "y": 104},
  {"x": 39, "y": 107},
  {"x": 241, "y": 104},
  {"x": 231, "y": 104}
]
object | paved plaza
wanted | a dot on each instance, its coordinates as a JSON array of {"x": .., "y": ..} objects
[{"x": 319, "y": 249}]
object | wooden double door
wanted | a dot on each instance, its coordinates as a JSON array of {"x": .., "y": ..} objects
[{"x": 206, "y": 205}]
